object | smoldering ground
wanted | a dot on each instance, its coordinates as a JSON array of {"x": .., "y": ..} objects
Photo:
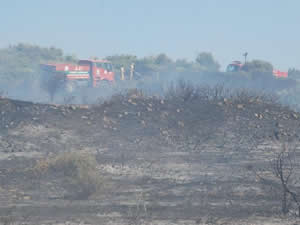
[{"x": 155, "y": 84}]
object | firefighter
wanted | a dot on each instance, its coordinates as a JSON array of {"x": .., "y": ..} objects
[
  {"x": 122, "y": 73},
  {"x": 131, "y": 71}
]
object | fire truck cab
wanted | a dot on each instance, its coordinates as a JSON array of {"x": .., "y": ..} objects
[{"x": 235, "y": 66}]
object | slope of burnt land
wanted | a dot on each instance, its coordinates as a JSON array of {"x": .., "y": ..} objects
[{"x": 185, "y": 157}]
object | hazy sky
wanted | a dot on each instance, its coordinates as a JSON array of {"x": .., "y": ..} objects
[{"x": 267, "y": 29}]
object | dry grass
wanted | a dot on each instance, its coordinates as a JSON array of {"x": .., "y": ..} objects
[{"x": 79, "y": 172}]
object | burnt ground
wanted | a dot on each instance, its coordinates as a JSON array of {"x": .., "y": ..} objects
[{"x": 184, "y": 159}]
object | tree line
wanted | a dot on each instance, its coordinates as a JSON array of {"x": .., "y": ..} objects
[{"x": 20, "y": 62}]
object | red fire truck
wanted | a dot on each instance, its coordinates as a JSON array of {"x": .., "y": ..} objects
[
  {"x": 237, "y": 66},
  {"x": 89, "y": 73}
]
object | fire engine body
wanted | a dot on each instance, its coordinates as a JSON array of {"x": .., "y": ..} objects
[
  {"x": 280, "y": 74},
  {"x": 236, "y": 66},
  {"x": 85, "y": 73}
]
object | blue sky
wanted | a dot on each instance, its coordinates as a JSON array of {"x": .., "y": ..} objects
[{"x": 267, "y": 29}]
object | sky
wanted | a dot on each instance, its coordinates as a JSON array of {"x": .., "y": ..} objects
[{"x": 266, "y": 29}]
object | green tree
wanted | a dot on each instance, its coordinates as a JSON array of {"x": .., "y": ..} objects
[
  {"x": 163, "y": 60},
  {"x": 146, "y": 65},
  {"x": 122, "y": 60},
  {"x": 153, "y": 64},
  {"x": 258, "y": 66},
  {"x": 21, "y": 62},
  {"x": 294, "y": 73},
  {"x": 207, "y": 61},
  {"x": 185, "y": 66}
]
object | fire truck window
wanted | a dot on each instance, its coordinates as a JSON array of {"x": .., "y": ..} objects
[
  {"x": 232, "y": 68},
  {"x": 108, "y": 66},
  {"x": 100, "y": 65}
]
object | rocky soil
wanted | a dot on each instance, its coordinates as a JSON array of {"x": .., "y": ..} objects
[{"x": 188, "y": 158}]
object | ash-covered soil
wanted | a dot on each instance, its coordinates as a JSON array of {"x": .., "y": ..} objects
[{"x": 183, "y": 159}]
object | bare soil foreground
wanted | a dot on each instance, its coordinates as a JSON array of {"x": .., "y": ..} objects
[{"x": 185, "y": 159}]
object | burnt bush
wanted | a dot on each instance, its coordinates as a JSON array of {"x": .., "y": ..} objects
[{"x": 77, "y": 172}]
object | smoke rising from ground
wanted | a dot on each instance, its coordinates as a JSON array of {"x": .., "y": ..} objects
[{"x": 157, "y": 84}]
